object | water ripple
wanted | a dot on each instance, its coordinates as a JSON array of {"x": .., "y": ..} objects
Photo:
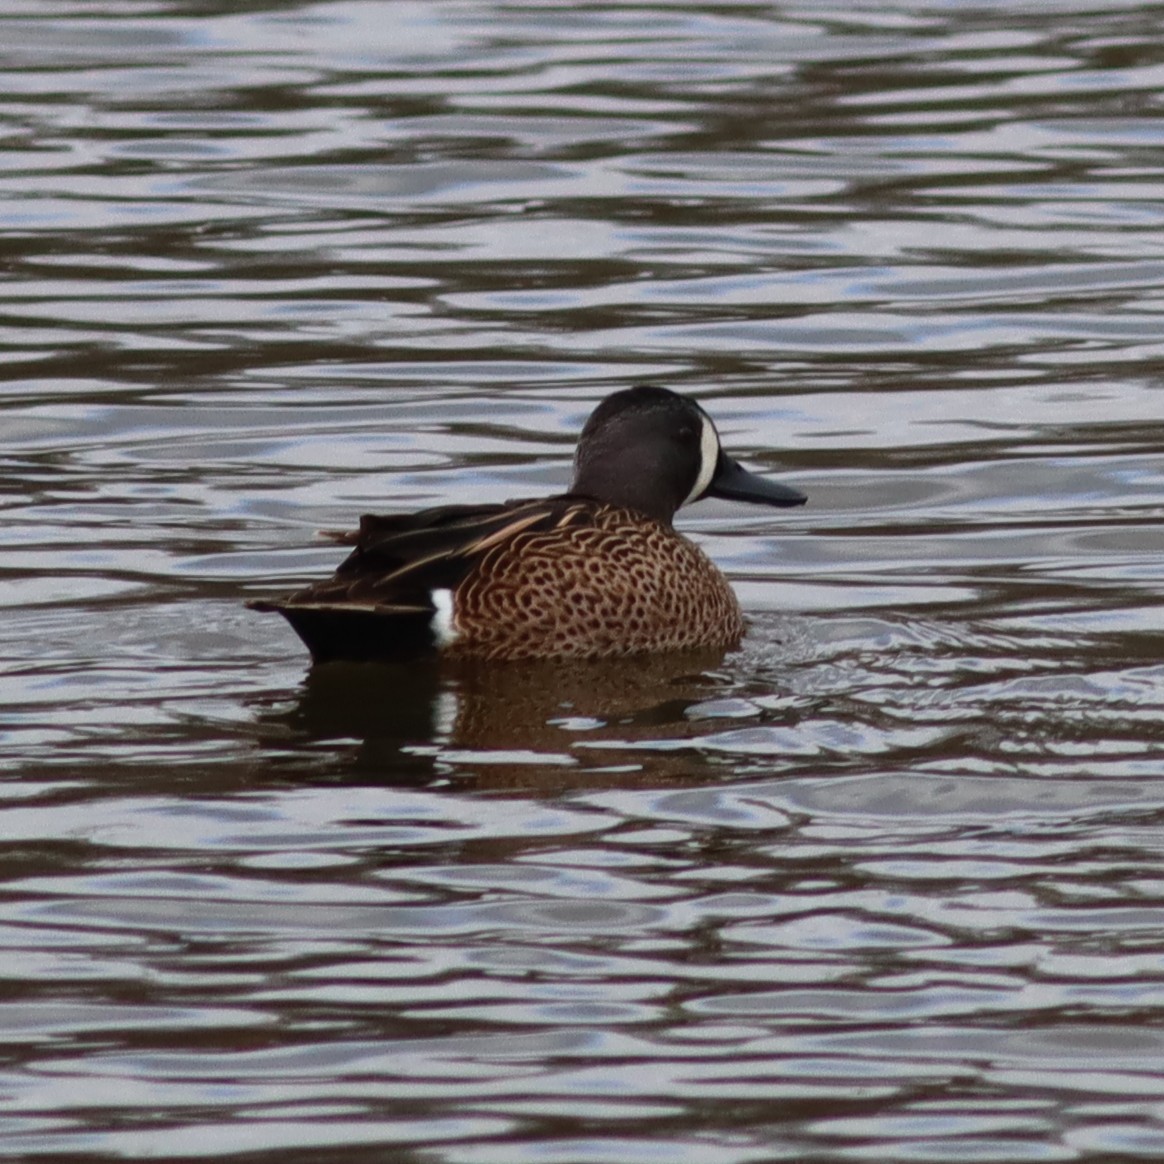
[{"x": 880, "y": 884}]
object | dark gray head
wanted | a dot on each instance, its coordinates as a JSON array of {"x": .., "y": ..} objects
[{"x": 652, "y": 450}]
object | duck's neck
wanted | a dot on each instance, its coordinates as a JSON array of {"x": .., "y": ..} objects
[{"x": 629, "y": 494}]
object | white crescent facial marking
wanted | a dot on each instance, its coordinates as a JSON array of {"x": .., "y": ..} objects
[
  {"x": 708, "y": 456},
  {"x": 444, "y": 630}
]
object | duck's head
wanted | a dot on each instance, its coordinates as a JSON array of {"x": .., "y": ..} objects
[{"x": 652, "y": 450}]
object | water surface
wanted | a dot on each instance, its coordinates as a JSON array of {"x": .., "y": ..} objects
[{"x": 883, "y": 884}]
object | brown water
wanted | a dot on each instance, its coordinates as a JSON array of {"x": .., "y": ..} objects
[{"x": 885, "y": 884}]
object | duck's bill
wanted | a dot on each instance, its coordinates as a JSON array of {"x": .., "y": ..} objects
[{"x": 734, "y": 483}]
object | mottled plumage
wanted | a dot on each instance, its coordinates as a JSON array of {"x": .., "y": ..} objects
[{"x": 593, "y": 573}]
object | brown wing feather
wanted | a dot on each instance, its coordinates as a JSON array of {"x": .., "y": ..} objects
[{"x": 399, "y": 560}]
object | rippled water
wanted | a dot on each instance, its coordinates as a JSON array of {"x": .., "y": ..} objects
[{"x": 884, "y": 884}]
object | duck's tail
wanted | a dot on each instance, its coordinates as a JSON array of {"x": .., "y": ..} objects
[{"x": 354, "y": 633}]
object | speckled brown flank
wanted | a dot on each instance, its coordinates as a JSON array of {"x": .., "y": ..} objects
[{"x": 603, "y": 581}]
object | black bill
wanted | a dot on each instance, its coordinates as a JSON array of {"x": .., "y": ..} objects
[{"x": 734, "y": 483}]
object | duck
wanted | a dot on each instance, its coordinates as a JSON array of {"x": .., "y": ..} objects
[{"x": 596, "y": 572}]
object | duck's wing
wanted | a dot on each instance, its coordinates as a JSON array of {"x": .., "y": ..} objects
[
  {"x": 432, "y": 550},
  {"x": 383, "y": 598},
  {"x": 373, "y": 525}
]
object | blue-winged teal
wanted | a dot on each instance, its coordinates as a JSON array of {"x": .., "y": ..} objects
[{"x": 592, "y": 573}]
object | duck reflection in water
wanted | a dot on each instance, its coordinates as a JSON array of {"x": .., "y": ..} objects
[{"x": 545, "y": 724}]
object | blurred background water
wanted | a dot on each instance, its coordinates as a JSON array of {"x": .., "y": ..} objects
[{"x": 883, "y": 884}]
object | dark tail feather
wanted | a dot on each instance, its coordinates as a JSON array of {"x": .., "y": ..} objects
[{"x": 357, "y": 634}]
